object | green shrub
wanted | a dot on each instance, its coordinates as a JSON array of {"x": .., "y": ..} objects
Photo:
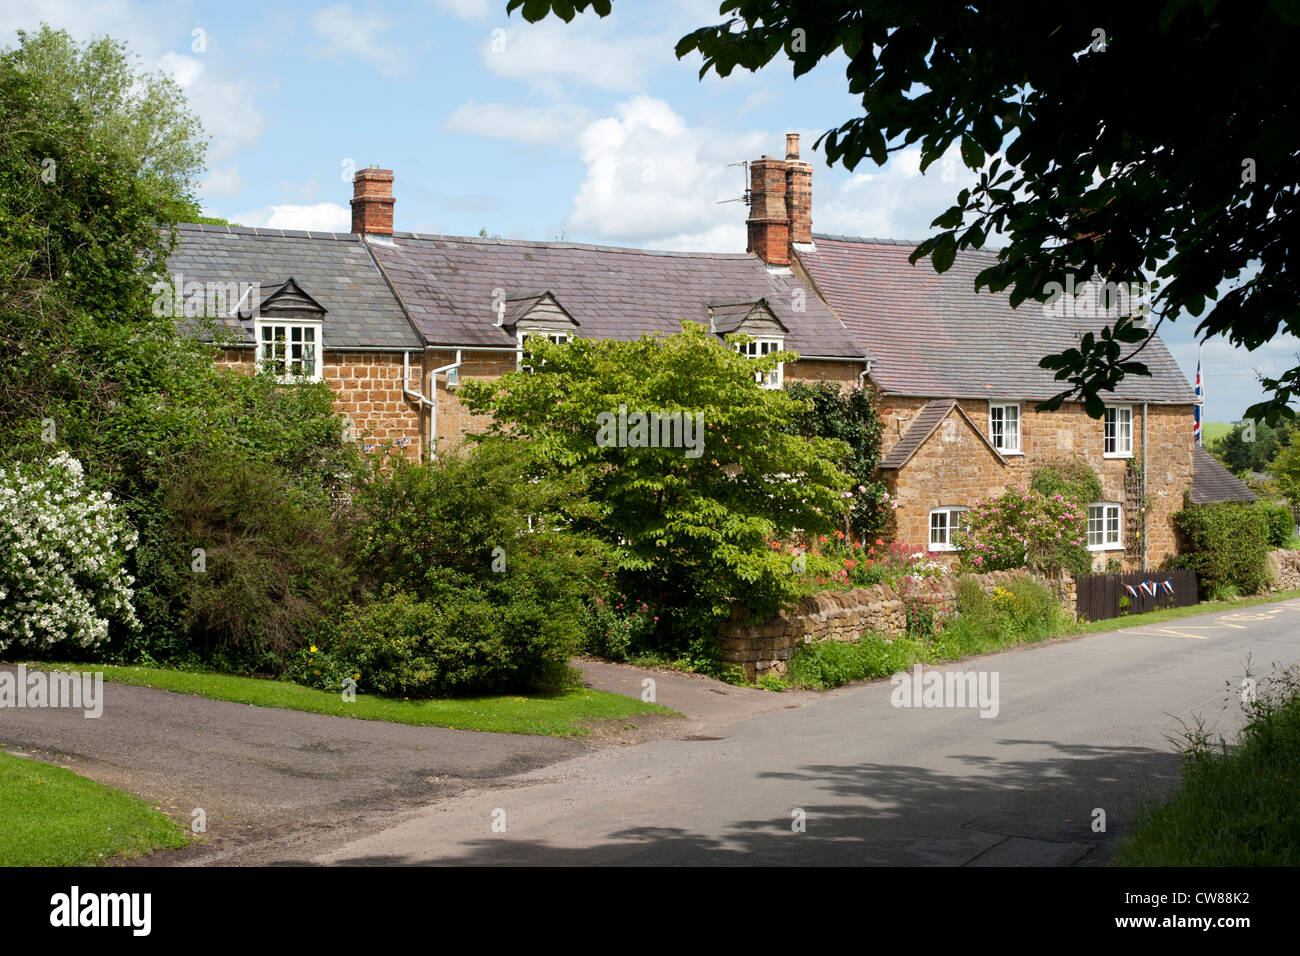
[
  {"x": 834, "y": 663},
  {"x": 272, "y": 565},
  {"x": 1025, "y": 528},
  {"x": 1281, "y": 523},
  {"x": 1226, "y": 544},
  {"x": 849, "y": 415},
  {"x": 617, "y": 630},
  {"x": 466, "y": 643},
  {"x": 1072, "y": 478}
]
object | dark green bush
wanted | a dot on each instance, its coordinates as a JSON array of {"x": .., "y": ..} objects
[
  {"x": 273, "y": 565},
  {"x": 1281, "y": 523},
  {"x": 465, "y": 643},
  {"x": 1072, "y": 478},
  {"x": 491, "y": 588},
  {"x": 1227, "y": 545}
]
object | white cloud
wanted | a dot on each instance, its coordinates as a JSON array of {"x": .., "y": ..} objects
[
  {"x": 653, "y": 180},
  {"x": 222, "y": 182},
  {"x": 185, "y": 70},
  {"x": 321, "y": 217},
  {"x": 588, "y": 53},
  {"x": 469, "y": 9},
  {"x": 893, "y": 202},
  {"x": 526, "y": 124},
  {"x": 360, "y": 35}
]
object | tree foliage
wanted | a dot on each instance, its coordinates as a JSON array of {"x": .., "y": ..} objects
[
  {"x": 1040, "y": 99},
  {"x": 689, "y": 527}
]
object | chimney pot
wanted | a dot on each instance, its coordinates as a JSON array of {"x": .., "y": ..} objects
[{"x": 791, "y": 145}]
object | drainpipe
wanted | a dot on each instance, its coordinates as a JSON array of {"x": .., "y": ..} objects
[
  {"x": 862, "y": 376},
  {"x": 433, "y": 405},
  {"x": 1144, "y": 486},
  {"x": 406, "y": 378}
]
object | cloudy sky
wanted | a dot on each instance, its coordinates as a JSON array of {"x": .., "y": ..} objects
[{"x": 592, "y": 131}]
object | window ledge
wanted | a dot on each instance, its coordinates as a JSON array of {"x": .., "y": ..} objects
[
  {"x": 1127, "y": 454},
  {"x": 1010, "y": 454},
  {"x": 1096, "y": 548}
]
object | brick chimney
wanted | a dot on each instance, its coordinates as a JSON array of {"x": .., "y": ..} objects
[
  {"x": 780, "y": 204},
  {"x": 372, "y": 201},
  {"x": 798, "y": 191}
]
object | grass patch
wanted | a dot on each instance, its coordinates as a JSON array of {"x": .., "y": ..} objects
[
  {"x": 1237, "y": 804},
  {"x": 563, "y": 714},
  {"x": 1154, "y": 617},
  {"x": 53, "y": 817}
]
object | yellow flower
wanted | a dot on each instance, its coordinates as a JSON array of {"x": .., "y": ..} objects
[{"x": 313, "y": 648}]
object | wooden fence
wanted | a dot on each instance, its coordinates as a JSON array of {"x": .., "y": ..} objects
[{"x": 1099, "y": 595}]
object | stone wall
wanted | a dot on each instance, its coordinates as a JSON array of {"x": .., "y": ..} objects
[
  {"x": 1285, "y": 568},
  {"x": 954, "y": 469},
  {"x": 766, "y": 647}
]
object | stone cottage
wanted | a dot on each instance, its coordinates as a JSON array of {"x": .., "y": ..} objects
[
  {"x": 957, "y": 379},
  {"x": 394, "y": 321}
]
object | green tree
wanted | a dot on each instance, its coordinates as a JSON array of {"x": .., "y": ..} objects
[
  {"x": 689, "y": 522},
  {"x": 849, "y": 415},
  {"x": 1240, "y": 455},
  {"x": 1286, "y": 468},
  {"x": 1039, "y": 100}
]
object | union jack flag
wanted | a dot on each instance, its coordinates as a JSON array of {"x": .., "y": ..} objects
[{"x": 1196, "y": 409}]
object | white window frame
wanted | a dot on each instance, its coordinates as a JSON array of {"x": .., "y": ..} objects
[
  {"x": 308, "y": 329},
  {"x": 1006, "y": 447},
  {"x": 1109, "y": 510},
  {"x": 553, "y": 336},
  {"x": 948, "y": 512},
  {"x": 757, "y": 348},
  {"x": 1116, "y": 441}
]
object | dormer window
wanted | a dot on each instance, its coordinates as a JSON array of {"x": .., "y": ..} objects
[
  {"x": 523, "y": 335},
  {"x": 289, "y": 332},
  {"x": 755, "y": 319},
  {"x": 757, "y": 348}
]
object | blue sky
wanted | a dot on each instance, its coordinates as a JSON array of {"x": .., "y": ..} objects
[{"x": 591, "y": 130}]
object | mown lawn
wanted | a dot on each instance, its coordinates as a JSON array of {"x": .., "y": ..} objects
[
  {"x": 53, "y": 817},
  {"x": 568, "y": 713}
]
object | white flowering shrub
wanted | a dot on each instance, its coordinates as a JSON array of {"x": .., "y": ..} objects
[{"x": 62, "y": 557}]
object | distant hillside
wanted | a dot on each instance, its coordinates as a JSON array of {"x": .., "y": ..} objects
[{"x": 1210, "y": 431}]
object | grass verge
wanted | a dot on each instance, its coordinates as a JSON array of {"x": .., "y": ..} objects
[
  {"x": 1154, "y": 617},
  {"x": 1236, "y": 806},
  {"x": 567, "y": 713},
  {"x": 53, "y": 817}
]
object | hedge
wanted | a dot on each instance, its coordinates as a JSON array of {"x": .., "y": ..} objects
[{"x": 1227, "y": 545}]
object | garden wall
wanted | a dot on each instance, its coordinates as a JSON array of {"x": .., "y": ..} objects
[
  {"x": 766, "y": 647},
  {"x": 1286, "y": 570}
]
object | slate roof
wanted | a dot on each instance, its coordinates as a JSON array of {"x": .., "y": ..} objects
[
  {"x": 923, "y": 426},
  {"x": 449, "y": 283},
  {"x": 1212, "y": 482},
  {"x": 335, "y": 270},
  {"x": 932, "y": 334}
]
